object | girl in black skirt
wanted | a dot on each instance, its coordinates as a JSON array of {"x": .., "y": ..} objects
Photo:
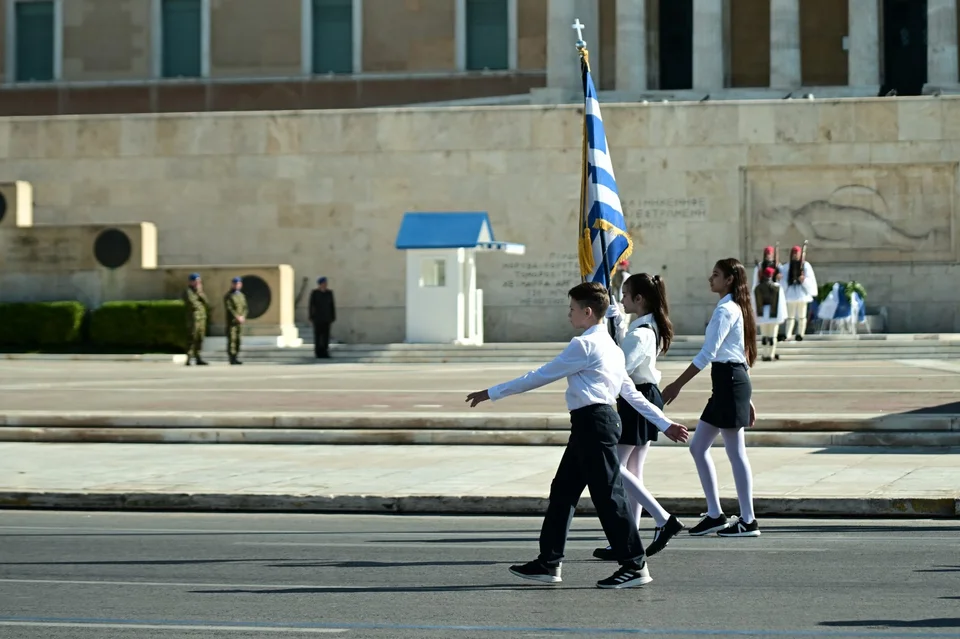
[
  {"x": 730, "y": 347},
  {"x": 648, "y": 335}
]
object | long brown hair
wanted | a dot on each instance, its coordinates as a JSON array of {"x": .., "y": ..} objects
[
  {"x": 653, "y": 290},
  {"x": 740, "y": 291}
]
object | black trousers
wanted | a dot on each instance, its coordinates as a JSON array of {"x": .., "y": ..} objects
[
  {"x": 321, "y": 338},
  {"x": 590, "y": 459}
]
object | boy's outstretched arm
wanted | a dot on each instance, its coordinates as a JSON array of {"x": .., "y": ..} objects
[{"x": 572, "y": 359}]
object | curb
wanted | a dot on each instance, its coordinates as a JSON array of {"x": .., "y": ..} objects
[
  {"x": 790, "y": 423},
  {"x": 457, "y": 437},
  {"x": 915, "y": 507}
]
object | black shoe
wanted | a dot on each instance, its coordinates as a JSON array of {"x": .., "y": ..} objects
[
  {"x": 235, "y": 362},
  {"x": 605, "y": 554},
  {"x": 766, "y": 359},
  {"x": 188, "y": 362},
  {"x": 627, "y": 576},
  {"x": 799, "y": 338},
  {"x": 663, "y": 535},
  {"x": 776, "y": 357},
  {"x": 709, "y": 525},
  {"x": 740, "y": 529},
  {"x": 536, "y": 571},
  {"x": 200, "y": 362}
]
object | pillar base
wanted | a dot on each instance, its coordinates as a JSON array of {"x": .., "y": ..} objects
[{"x": 944, "y": 89}]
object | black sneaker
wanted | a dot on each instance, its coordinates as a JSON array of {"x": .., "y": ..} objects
[
  {"x": 663, "y": 535},
  {"x": 536, "y": 571},
  {"x": 605, "y": 554},
  {"x": 740, "y": 529},
  {"x": 627, "y": 576},
  {"x": 709, "y": 525}
]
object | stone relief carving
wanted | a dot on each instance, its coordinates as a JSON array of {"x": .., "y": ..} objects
[{"x": 882, "y": 213}]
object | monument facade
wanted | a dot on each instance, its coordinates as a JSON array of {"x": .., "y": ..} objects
[{"x": 870, "y": 183}]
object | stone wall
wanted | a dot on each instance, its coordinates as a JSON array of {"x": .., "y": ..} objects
[{"x": 870, "y": 183}]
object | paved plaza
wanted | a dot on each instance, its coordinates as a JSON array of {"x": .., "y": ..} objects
[
  {"x": 447, "y": 478},
  {"x": 874, "y": 387}
]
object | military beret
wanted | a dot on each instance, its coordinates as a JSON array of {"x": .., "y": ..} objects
[
  {"x": 321, "y": 280},
  {"x": 194, "y": 277},
  {"x": 237, "y": 280}
]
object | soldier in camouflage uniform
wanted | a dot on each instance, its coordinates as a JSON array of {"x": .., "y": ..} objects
[
  {"x": 236, "y": 303},
  {"x": 198, "y": 309}
]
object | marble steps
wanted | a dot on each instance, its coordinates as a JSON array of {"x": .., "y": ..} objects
[{"x": 940, "y": 432}]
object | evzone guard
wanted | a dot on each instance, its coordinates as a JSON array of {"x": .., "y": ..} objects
[
  {"x": 800, "y": 288},
  {"x": 771, "y": 311},
  {"x": 770, "y": 302}
]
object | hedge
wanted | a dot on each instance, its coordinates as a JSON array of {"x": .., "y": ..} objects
[
  {"x": 149, "y": 325},
  {"x": 41, "y": 324}
]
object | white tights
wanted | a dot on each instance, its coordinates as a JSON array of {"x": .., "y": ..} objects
[
  {"x": 631, "y": 468},
  {"x": 733, "y": 441}
]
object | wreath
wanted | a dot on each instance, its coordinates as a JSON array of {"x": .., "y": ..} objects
[{"x": 848, "y": 289}]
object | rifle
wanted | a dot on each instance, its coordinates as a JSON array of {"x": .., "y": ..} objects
[{"x": 803, "y": 255}]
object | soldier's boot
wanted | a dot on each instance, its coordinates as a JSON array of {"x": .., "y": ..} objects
[{"x": 201, "y": 362}]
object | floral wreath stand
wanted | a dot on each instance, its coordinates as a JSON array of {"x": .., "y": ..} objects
[{"x": 841, "y": 311}]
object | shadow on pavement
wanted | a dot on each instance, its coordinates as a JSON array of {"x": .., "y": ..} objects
[
  {"x": 374, "y": 589},
  {"x": 941, "y": 569},
  {"x": 939, "y": 622},
  {"x": 382, "y": 564},
  {"x": 821, "y": 528}
]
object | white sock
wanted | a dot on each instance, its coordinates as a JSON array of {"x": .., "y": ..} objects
[
  {"x": 788, "y": 328},
  {"x": 735, "y": 443},
  {"x": 802, "y": 326},
  {"x": 631, "y": 468},
  {"x": 703, "y": 439}
]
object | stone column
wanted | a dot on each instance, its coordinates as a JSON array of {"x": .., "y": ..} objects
[
  {"x": 942, "y": 43},
  {"x": 863, "y": 43},
  {"x": 708, "y": 45},
  {"x": 631, "y": 45},
  {"x": 785, "y": 71},
  {"x": 563, "y": 62}
]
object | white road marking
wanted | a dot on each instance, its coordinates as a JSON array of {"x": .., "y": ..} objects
[{"x": 172, "y": 626}]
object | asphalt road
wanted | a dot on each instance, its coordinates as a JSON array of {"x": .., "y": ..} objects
[
  {"x": 793, "y": 387},
  {"x": 86, "y": 575}
]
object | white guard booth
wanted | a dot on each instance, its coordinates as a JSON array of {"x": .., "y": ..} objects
[{"x": 444, "y": 305}]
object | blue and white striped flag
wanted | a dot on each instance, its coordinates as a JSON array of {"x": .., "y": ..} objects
[{"x": 602, "y": 239}]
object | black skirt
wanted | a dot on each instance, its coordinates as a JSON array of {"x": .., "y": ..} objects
[
  {"x": 637, "y": 431},
  {"x": 729, "y": 405}
]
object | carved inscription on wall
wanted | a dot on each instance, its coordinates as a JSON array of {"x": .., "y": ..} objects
[
  {"x": 880, "y": 213},
  {"x": 32, "y": 250},
  {"x": 658, "y": 213},
  {"x": 541, "y": 282}
]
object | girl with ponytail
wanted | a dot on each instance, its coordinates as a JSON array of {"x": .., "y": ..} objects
[
  {"x": 646, "y": 337},
  {"x": 730, "y": 347}
]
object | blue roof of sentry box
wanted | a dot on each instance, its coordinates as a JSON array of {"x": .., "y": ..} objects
[{"x": 444, "y": 230}]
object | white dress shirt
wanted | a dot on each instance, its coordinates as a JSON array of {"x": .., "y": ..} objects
[
  {"x": 639, "y": 346},
  {"x": 595, "y": 370},
  {"x": 805, "y": 292},
  {"x": 724, "y": 339}
]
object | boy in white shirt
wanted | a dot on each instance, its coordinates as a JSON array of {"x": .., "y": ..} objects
[{"x": 596, "y": 374}]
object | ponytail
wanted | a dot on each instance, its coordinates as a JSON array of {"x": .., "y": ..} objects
[
  {"x": 654, "y": 292},
  {"x": 740, "y": 292}
]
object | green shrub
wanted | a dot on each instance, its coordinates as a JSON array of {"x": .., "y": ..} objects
[
  {"x": 41, "y": 324},
  {"x": 158, "y": 325}
]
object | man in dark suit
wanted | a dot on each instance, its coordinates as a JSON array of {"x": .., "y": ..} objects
[{"x": 323, "y": 313}]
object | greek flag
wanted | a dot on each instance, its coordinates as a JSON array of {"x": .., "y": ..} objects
[{"x": 602, "y": 239}]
